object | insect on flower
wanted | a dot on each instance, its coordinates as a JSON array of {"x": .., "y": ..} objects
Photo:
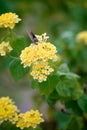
[{"x": 33, "y": 37}]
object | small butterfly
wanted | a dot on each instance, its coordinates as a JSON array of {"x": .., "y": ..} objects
[{"x": 33, "y": 37}]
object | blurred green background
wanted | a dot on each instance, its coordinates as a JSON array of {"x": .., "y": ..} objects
[{"x": 61, "y": 20}]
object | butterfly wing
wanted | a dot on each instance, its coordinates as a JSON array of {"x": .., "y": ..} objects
[{"x": 33, "y": 37}]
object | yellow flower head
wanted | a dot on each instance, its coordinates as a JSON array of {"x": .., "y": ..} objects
[
  {"x": 42, "y": 38},
  {"x": 7, "y": 109},
  {"x": 33, "y": 53},
  {"x": 5, "y": 48},
  {"x": 46, "y": 51},
  {"x": 38, "y": 55},
  {"x": 29, "y": 119},
  {"x": 82, "y": 37},
  {"x": 41, "y": 70},
  {"x": 8, "y": 20}
]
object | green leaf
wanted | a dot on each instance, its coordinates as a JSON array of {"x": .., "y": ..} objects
[
  {"x": 17, "y": 70},
  {"x": 4, "y": 63},
  {"x": 68, "y": 75},
  {"x": 18, "y": 44},
  {"x": 75, "y": 123},
  {"x": 65, "y": 87},
  {"x": 6, "y": 125},
  {"x": 34, "y": 83},
  {"x": 15, "y": 128},
  {"x": 69, "y": 88},
  {"x": 37, "y": 128},
  {"x": 62, "y": 119},
  {"x": 73, "y": 106},
  {"x": 48, "y": 86},
  {"x": 77, "y": 91},
  {"x": 82, "y": 102},
  {"x": 31, "y": 128},
  {"x": 52, "y": 98},
  {"x": 63, "y": 68}
]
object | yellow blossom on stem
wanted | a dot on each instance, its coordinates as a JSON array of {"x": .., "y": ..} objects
[
  {"x": 41, "y": 70},
  {"x": 33, "y": 53},
  {"x": 82, "y": 37},
  {"x": 5, "y": 48},
  {"x": 7, "y": 110},
  {"x": 38, "y": 55},
  {"x": 42, "y": 38},
  {"x": 8, "y": 20},
  {"x": 29, "y": 119}
]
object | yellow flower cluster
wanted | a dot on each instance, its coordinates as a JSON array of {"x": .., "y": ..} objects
[
  {"x": 41, "y": 70},
  {"x": 29, "y": 119},
  {"x": 8, "y": 20},
  {"x": 38, "y": 55},
  {"x": 33, "y": 53},
  {"x": 42, "y": 38},
  {"x": 5, "y": 48},
  {"x": 9, "y": 112},
  {"x": 7, "y": 109},
  {"x": 82, "y": 37}
]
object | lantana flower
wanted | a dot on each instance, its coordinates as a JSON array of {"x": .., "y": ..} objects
[
  {"x": 33, "y": 53},
  {"x": 82, "y": 37},
  {"x": 5, "y": 48},
  {"x": 41, "y": 70},
  {"x": 8, "y": 109},
  {"x": 8, "y": 20},
  {"x": 28, "y": 119},
  {"x": 37, "y": 55}
]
